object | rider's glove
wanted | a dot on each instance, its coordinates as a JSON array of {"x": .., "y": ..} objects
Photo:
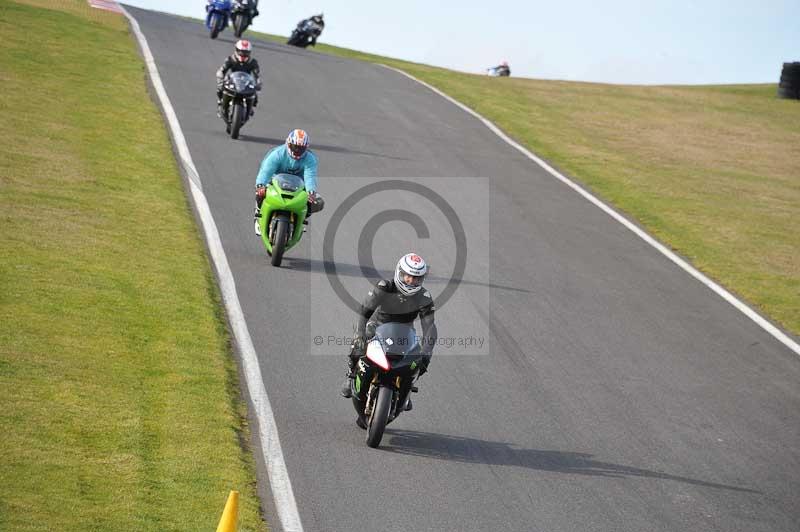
[
  {"x": 261, "y": 191},
  {"x": 423, "y": 365},
  {"x": 312, "y": 197},
  {"x": 359, "y": 345}
]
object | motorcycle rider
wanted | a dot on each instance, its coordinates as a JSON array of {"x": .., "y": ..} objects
[
  {"x": 502, "y": 69},
  {"x": 241, "y": 60},
  {"x": 253, "y": 5},
  {"x": 316, "y": 19},
  {"x": 398, "y": 300},
  {"x": 292, "y": 157}
]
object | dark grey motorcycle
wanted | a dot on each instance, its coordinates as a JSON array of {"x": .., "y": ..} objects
[
  {"x": 384, "y": 378},
  {"x": 306, "y": 33},
  {"x": 242, "y": 14},
  {"x": 238, "y": 101}
]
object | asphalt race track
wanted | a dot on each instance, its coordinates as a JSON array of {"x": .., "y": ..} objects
[{"x": 613, "y": 391}]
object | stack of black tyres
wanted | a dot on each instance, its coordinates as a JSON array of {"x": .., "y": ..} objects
[{"x": 789, "y": 87}]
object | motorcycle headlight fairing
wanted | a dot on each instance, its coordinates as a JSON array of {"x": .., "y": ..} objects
[{"x": 376, "y": 354}]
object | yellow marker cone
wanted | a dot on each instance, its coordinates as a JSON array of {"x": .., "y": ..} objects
[{"x": 228, "y": 521}]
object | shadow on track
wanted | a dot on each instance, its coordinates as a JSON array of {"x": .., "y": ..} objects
[
  {"x": 275, "y": 47},
  {"x": 373, "y": 275},
  {"x": 474, "y": 451},
  {"x": 318, "y": 147},
  {"x": 282, "y": 48}
]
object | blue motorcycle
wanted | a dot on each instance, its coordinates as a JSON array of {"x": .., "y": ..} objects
[{"x": 218, "y": 13}]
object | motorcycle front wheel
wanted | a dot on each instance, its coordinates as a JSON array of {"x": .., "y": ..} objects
[
  {"x": 379, "y": 417},
  {"x": 279, "y": 240},
  {"x": 240, "y": 24},
  {"x": 216, "y": 25},
  {"x": 237, "y": 120}
]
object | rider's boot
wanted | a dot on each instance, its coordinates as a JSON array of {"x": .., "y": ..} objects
[
  {"x": 256, "y": 217},
  {"x": 409, "y": 406},
  {"x": 255, "y": 104},
  {"x": 347, "y": 385}
]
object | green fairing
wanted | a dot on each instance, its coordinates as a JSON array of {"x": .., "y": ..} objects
[
  {"x": 358, "y": 383},
  {"x": 274, "y": 202}
]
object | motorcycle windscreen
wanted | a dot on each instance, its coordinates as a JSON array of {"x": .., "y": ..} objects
[
  {"x": 289, "y": 182},
  {"x": 397, "y": 338},
  {"x": 242, "y": 82}
]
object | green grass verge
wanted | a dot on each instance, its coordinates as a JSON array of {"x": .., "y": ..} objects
[
  {"x": 712, "y": 171},
  {"x": 119, "y": 394}
]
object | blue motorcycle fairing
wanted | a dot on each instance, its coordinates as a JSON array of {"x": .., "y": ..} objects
[{"x": 221, "y": 7}]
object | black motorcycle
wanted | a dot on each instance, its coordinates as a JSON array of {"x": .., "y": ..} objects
[
  {"x": 242, "y": 15},
  {"x": 305, "y": 33},
  {"x": 384, "y": 378},
  {"x": 238, "y": 99}
]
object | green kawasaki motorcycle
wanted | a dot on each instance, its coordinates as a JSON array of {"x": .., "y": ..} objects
[{"x": 282, "y": 213}]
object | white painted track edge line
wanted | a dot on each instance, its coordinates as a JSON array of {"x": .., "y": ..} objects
[
  {"x": 280, "y": 483},
  {"x": 691, "y": 270}
]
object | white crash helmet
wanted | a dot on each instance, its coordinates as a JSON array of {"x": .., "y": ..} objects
[
  {"x": 413, "y": 265},
  {"x": 242, "y": 50}
]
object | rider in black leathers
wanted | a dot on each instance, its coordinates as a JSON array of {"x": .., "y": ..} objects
[
  {"x": 398, "y": 300},
  {"x": 253, "y": 6},
  {"x": 502, "y": 70},
  {"x": 240, "y": 61},
  {"x": 317, "y": 19}
]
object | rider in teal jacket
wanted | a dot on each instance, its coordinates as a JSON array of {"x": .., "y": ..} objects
[
  {"x": 279, "y": 161},
  {"x": 294, "y": 158}
]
